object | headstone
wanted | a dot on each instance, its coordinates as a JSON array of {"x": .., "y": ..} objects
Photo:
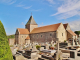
[
  {"x": 34, "y": 48},
  {"x": 73, "y": 41},
  {"x": 52, "y": 42},
  {"x": 19, "y": 57},
  {"x": 42, "y": 48},
  {"x": 47, "y": 46},
  {"x": 33, "y": 55},
  {"x": 57, "y": 55}
]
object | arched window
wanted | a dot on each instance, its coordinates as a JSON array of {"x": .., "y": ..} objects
[
  {"x": 41, "y": 35},
  {"x": 50, "y": 34}
]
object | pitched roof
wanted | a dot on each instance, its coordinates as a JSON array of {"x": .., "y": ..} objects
[
  {"x": 48, "y": 28},
  {"x": 31, "y": 21},
  {"x": 23, "y": 31},
  {"x": 65, "y": 25},
  {"x": 71, "y": 32},
  {"x": 27, "y": 38}
]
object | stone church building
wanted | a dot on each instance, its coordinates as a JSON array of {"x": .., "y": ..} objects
[{"x": 33, "y": 33}]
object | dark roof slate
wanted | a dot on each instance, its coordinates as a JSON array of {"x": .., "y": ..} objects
[{"x": 31, "y": 21}]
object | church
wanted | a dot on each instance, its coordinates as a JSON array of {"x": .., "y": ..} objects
[{"x": 33, "y": 33}]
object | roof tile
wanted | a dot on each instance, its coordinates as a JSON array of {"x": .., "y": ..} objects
[
  {"x": 71, "y": 32},
  {"x": 48, "y": 28},
  {"x": 27, "y": 38},
  {"x": 23, "y": 31}
]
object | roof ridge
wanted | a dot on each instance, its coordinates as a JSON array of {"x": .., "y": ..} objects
[
  {"x": 20, "y": 28},
  {"x": 47, "y": 28},
  {"x": 47, "y": 25},
  {"x": 66, "y": 23}
]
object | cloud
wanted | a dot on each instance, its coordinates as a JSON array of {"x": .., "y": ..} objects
[
  {"x": 36, "y": 10},
  {"x": 26, "y": 20},
  {"x": 5, "y": 1},
  {"x": 40, "y": 25},
  {"x": 22, "y": 23},
  {"x": 12, "y": 2},
  {"x": 75, "y": 25},
  {"x": 50, "y": 1},
  {"x": 8, "y": 1},
  {"x": 27, "y": 7},
  {"x": 69, "y": 8},
  {"x": 20, "y": 5},
  {"x": 23, "y": 6}
]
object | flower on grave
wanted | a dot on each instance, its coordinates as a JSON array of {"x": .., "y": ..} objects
[
  {"x": 64, "y": 41},
  {"x": 38, "y": 47}
]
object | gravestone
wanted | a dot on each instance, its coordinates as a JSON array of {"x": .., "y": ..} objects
[
  {"x": 34, "y": 48},
  {"x": 47, "y": 46},
  {"x": 33, "y": 55},
  {"x": 42, "y": 48},
  {"x": 73, "y": 40}
]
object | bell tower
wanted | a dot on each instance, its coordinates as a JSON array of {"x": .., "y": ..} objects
[{"x": 31, "y": 24}]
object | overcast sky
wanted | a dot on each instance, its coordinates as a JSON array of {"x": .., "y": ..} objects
[{"x": 15, "y": 13}]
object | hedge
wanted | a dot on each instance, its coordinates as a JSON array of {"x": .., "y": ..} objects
[{"x": 5, "y": 52}]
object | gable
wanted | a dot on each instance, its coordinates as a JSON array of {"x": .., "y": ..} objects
[
  {"x": 17, "y": 32},
  {"x": 61, "y": 27},
  {"x": 65, "y": 25},
  {"x": 68, "y": 27}
]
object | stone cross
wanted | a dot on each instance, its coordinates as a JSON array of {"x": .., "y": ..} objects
[
  {"x": 58, "y": 52},
  {"x": 76, "y": 40},
  {"x": 73, "y": 41},
  {"x": 52, "y": 42}
]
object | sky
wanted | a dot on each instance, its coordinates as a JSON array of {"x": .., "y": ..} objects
[{"x": 16, "y": 13}]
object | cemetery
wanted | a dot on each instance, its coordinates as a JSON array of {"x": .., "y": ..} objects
[{"x": 47, "y": 51}]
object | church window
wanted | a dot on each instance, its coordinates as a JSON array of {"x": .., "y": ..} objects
[
  {"x": 37, "y": 36},
  {"x": 41, "y": 35},
  {"x": 33, "y": 36},
  {"x": 50, "y": 34},
  {"x": 62, "y": 34}
]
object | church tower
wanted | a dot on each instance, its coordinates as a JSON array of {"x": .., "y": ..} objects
[{"x": 31, "y": 24}]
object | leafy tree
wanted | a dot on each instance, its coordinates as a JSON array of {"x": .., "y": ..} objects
[
  {"x": 11, "y": 36},
  {"x": 5, "y": 52},
  {"x": 77, "y": 32}
]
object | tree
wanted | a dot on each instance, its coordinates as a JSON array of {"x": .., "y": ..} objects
[
  {"x": 77, "y": 32},
  {"x": 5, "y": 52}
]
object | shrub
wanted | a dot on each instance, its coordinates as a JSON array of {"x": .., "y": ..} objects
[
  {"x": 55, "y": 45},
  {"x": 11, "y": 45},
  {"x": 5, "y": 52},
  {"x": 38, "y": 47},
  {"x": 64, "y": 41}
]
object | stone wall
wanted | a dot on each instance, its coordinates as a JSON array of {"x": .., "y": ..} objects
[
  {"x": 31, "y": 27},
  {"x": 68, "y": 27},
  {"x": 11, "y": 41},
  {"x": 22, "y": 39},
  {"x": 43, "y": 37},
  {"x": 27, "y": 41},
  {"x": 69, "y": 36}
]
